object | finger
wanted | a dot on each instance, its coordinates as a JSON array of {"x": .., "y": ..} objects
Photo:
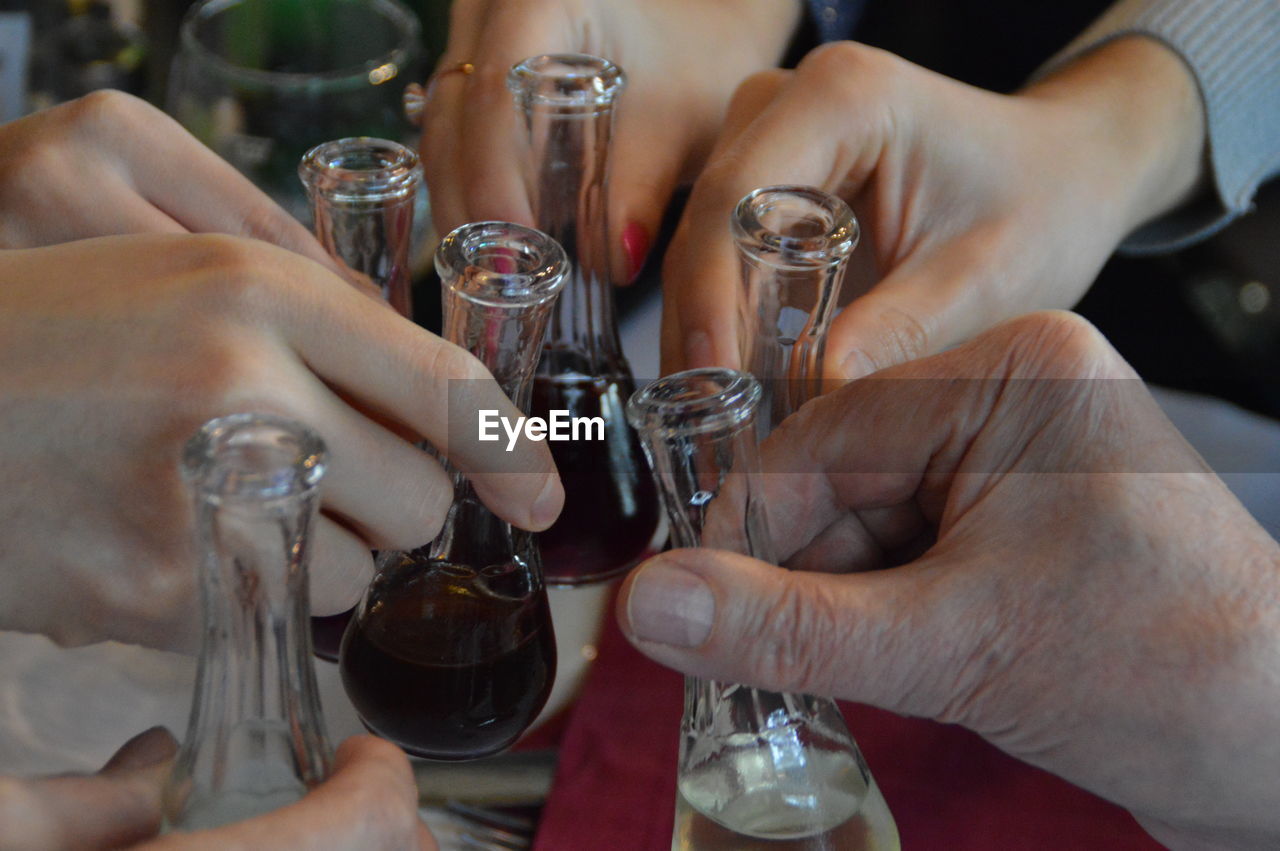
[
  {"x": 781, "y": 133},
  {"x": 370, "y": 801},
  {"x": 148, "y": 748},
  {"x": 429, "y": 385},
  {"x": 472, "y": 121},
  {"x": 693, "y": 349},
  {"x": 881, "y": 449},
  {"x": 889, "y": 446},
  {"x": 888, "y": 638},
  {"x": 341, "y": 568},
  {"x": 495, "y": 173},
  {"x": 441, "y": 146},
  {"x": 651, "y": 158},
  {"x": 845, "y": 545},
  {"x": 51, "y": 219},
  {"x": 113, "y": 809},
  {"x": 930, "y": 302},
  {"x": 388, "y": 491}
]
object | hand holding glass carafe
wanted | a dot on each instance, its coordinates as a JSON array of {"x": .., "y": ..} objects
[
  {"x": 451, "y": 653},
  {"x": 758, "y": 769}
]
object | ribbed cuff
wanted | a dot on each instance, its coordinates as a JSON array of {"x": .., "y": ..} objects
[{"x": 1233, "y": 50}]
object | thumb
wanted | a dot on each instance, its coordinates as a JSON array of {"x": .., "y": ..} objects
[
  {"x": 875, "y": 637},
  {"x": 116, "y": 807}
]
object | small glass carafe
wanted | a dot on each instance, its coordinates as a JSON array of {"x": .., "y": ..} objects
[
  {"x": 451, "y": 653},
  {"x": 256, "y": 740},
  {"x": 362, "y": 193},
  {"x": 794, "y": 243},
  {"x": 611, "y": 518},
  {"x": 758, "y": 769}
]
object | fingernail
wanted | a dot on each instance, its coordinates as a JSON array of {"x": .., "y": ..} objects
[
  {"x": 150, "y": 747},
  {"x": 546, "y": 508},
  {"x": 635, "y": 242},
  {"x": 670, "y": 605},
  {"x": 697, "y": 350}
]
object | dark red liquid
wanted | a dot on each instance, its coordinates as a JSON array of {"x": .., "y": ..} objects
[
  {"x": 326, "y": 634},
  {"x": 611, "y": 513},
  {"x": 447, "y": 662}
]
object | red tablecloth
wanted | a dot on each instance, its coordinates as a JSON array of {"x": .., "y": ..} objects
[{"x": 947, "y": 788}]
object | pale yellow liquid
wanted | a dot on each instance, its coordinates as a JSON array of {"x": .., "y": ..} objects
[{"x": 844, "y": 815}]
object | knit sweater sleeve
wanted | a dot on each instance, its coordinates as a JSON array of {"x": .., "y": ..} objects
[{"x": 1232, "y": 48}]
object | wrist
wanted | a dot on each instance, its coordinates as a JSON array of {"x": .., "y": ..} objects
[{"x": 1135, "y": 110}]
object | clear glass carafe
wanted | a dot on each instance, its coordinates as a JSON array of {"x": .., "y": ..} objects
[
  {"x": 611, "y": 518},
  {"x": 758, "y": 769},
  {"x": 362, "y": 193},
  {"x": 256, "y": 740},
  {"x": 794, "y": 243},
  {"x": 451, "y": 653}
]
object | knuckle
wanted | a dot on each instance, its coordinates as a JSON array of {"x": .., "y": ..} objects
[
  {"x": 26, "y": 168},
  {"x": 850, "y": 69},
  {"x": 236, "y": 277},
  {"x": 266, "y": 222},
  {"x": 105, "y": 108},
  {"x": 836, "y": 60},
  {"x": 1061, "y": 344},
  {"x": 227, "y": 370}
]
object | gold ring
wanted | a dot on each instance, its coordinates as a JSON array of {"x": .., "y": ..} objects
[{"x": 415, "y": 95}]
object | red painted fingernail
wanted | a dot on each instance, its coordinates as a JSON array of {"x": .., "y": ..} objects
[{"x": 635, "y": 241}]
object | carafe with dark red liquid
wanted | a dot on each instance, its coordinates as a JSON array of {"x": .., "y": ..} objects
[
  {"x": 362, "y": 193},
  {"x": 451, "y": 653},
  {"x": 611, "y": 519}
]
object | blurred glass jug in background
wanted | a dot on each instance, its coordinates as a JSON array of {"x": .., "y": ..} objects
[{"x": 262, "y": 81}]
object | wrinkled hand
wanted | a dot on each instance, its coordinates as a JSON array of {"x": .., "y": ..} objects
[
  {"x": 115, "y": 350},
  {"x": 369, "y": 802},
  {"x": 110, "y": 163},
  {"x": 1073, "y": 583},
  {"x": 678, "y": 88},
  {"x": 978, "y": 206}
]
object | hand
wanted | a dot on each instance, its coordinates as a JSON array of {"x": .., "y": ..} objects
[
  {"x": 116, "y": 350},
  {"x": 978, "y": 206},
  {"x": 109, "y": 163},
  {"x": 1074, "y": 584},
  {"x": 370, "y": 801},
  {"x": 679, "y": 84}
]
